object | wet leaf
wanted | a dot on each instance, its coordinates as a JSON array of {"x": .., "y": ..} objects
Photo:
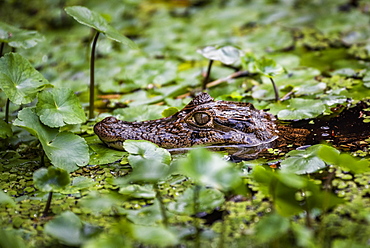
[
  {"x": 65, "y": 150},
  {"x": 19, "y": 38},
  {"x": 51, "y": 179},
  {"x": 19, "y": 80},
  {"x": 208, "y": 200},
  {"x": 226, "y": 54},
  {"x": 101, "y": 154},
  {"x": 59, "y": 107},
  {"x": 142, "y": 151},
  {"x": 94, "y": 20},
  {"x": 303, "y": 161},
  {"x": 299, "y": 108},
  {"x": 70, "y": 230}
]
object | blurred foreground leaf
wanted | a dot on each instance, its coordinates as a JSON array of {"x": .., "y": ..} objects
[
  {"x": 70, "y": 230},
  {"x": 51, "y": 179}
]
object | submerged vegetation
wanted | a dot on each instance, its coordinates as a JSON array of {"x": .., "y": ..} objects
[{"x": 299, "y": 60}]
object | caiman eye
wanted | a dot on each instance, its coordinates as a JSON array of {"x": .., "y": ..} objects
[{"x": 201, "y": 118}]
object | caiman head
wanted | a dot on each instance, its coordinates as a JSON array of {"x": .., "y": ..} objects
[{"x": 202, "y": 122}]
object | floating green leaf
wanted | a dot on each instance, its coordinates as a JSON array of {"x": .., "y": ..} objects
[
  {"x": 69, "y": 229},
  {"x": 51, "y": 179},
  {"x": 19, "y": 38},
  {"x": 225, "y": 54},
  {"x": 19, "y": 80},
  {"x": 299, "y": 108},
  {"x": 101, "y": 154},
  {"x": 65, "y": 150},
  {"x": 5, "y": 130},
  {"x": 142, "y": 151},
  {"x": 94, "y": 20},
  {"x": 59, "y": 107},
  {"x": 208, "y": 200},
  {"x": 303, "y": 161}
]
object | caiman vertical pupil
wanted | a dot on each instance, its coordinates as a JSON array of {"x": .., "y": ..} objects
[{"x": 201, "y": 118}]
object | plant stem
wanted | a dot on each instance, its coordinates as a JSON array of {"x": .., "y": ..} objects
[
  {"x": 2, "y": 48},
  {"x": 92, "y": 75},
  {"x": 275, "y": 89},
  {"x": 48, "y": 203},
  {"x": 161, "y": 205},
  {"x": 205, "y": 81},
  {"x": 7, "y": 110},
  {"x": 42, "y": 159},
  {"x": 196, "y": 210}
]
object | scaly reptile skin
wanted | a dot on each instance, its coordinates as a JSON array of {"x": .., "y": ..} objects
[{"x": 202, "y": 122}]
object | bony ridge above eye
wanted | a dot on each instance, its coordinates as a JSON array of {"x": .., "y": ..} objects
[{"x": 201, "y": 118}]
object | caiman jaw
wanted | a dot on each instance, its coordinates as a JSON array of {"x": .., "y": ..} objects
[{"x": 202, "y": 122}]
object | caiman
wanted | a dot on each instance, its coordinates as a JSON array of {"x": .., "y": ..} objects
[{"x": 207, "y": 122}]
